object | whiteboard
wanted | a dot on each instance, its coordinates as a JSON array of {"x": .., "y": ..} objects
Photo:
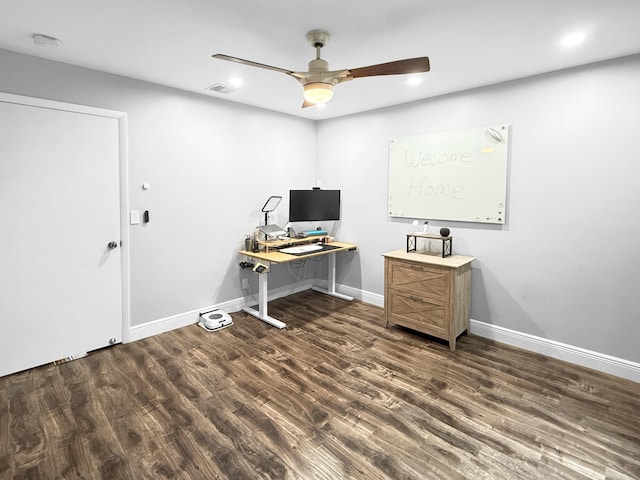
[{"x": 459, "y": 175}]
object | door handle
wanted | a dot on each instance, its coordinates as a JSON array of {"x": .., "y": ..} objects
[{"x": 112, "y": 245}]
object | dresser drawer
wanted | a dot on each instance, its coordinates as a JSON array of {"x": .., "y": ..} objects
[
  {"x": 417, "y": 313},
  {"x": 419, "y": 280}
]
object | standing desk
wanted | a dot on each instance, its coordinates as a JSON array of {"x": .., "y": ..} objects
[{"x": 270, "y": 256}]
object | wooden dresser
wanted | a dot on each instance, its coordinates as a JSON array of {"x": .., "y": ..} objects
[{"x": 428, "y": 293}]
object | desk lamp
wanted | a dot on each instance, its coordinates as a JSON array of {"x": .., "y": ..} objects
[{"x": 270, "y": 205}]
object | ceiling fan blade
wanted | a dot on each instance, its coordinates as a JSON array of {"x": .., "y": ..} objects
[
  {"x": 307, "y": 103},
  {"x": 399, "y": 67},
  {"x": 222, "y": 56}
]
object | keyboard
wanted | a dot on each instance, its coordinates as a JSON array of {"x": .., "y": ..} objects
[{"x": 302, "y": 249}]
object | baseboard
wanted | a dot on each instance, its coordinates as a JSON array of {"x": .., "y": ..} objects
[
  {"x": 362, "y": 295},
  {"x": 577, "y": 355},
  {"x": 162, "y": 325}
]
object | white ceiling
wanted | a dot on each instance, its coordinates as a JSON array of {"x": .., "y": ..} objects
[{"x": 470, "y": 43}]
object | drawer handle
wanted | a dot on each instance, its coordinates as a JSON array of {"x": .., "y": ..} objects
[
  {"x": 415, "y": 299},
  {"x": 415, "y": 267}
]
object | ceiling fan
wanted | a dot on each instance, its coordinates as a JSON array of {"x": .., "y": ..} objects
[{"x": 319, "y": 81}]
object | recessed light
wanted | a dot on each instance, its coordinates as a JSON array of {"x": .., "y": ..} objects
[
  {"x": 236, "y": 81},
  {"x": 46, "y": 41},
  {"x": 321, "y": 106},
  {"x": 414, "y": 80},
  {"x": 573, "y": 39}
]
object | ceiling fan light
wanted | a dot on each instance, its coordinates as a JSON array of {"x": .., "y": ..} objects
[{"x": 318, "y": 92}]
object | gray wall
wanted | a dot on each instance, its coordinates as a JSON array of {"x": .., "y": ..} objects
[
  {"x": 211, "y": 165},
  {"x": 565, "y": 266}
]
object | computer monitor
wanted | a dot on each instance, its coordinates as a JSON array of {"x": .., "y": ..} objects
[{"x": 314, "y": 205}]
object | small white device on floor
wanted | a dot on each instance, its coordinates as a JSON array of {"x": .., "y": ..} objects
[{"x": 215, "y": 320}]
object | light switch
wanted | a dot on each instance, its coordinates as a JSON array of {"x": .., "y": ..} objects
[{"x": 134, "y": 217}]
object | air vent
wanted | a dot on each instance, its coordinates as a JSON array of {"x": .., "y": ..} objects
[{"x": 221, "y": 88}]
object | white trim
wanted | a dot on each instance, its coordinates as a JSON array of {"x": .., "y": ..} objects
[
  {"x": 55, "y": 105},
  {"x": 577, "y": 355},
  {"x": 162, "y": 325},
  {"x": 362, "y": 295},
  {"x": 124, "y": 226},
  {"x": 569, "y": 353}
]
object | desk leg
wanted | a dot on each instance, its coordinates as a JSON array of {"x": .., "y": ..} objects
[
  {"x": 262, "y": 312},
  {"x": 331, "y": 280}
]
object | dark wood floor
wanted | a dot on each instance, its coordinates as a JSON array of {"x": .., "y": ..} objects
[{"x": 333, "y": 396}]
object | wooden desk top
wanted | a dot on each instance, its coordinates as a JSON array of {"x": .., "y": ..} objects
[
  {"x": 275, "y": 256},
  {"x": 453, "y": 261}
]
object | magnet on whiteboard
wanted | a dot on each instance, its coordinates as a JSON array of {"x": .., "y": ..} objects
[{"x": 494, "y": 134}]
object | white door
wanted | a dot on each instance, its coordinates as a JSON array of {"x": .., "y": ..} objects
[{"x": 60, "y": 282}]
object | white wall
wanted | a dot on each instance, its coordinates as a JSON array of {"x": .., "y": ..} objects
[
  {"x": 211, "y": 165},
  {"x": 565, "y": 266}
]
